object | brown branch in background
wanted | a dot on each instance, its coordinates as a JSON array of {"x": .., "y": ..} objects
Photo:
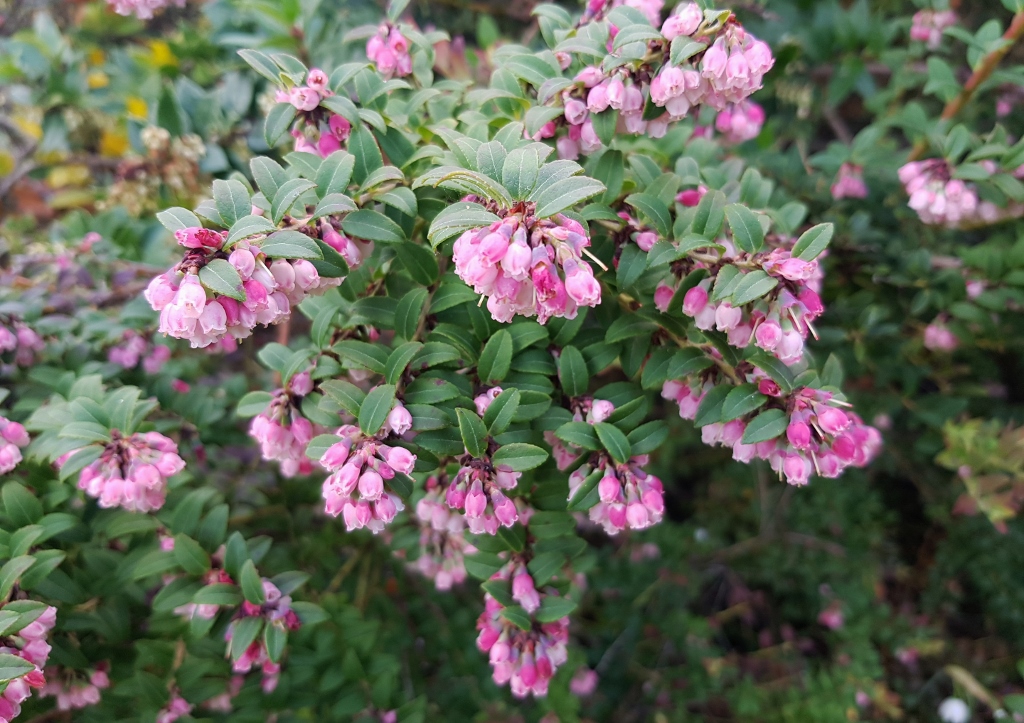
[
  {"x": 23, "y": 164},
  {"x": 979, "y": 76}
]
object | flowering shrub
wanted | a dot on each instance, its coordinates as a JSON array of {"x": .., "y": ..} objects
[{"x": 468, "y": 329}]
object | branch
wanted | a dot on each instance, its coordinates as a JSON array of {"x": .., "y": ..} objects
[{"x": 979, "y": 76}]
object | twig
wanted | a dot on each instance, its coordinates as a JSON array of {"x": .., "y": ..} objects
[
  {"x": 838, "y": 125},
  {"x": 979, "y": 76}
]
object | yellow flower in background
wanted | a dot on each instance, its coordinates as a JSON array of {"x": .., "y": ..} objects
[
  {"x": 96, "y": 57},
  {"x": 6, "y": 163},
  {"x": 161, "y": 56},
  {"x": 113, "y": 143},
  {"x": 30, "y": 127},
  {"x": 63, "y": 176},
  {"x": 97, "y": 79},
  {"x": 136, "y": 107}
]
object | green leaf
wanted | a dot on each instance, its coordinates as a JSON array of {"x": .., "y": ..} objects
[
  {"x": 218, "y": 594},
  {"x": 519, "y": 457},
  {"x": 496, "y": 358},
  {"x": 456, "y": 219},
  {"x": 614, "y": 441},
  {"x": 287, "y": 195},
  {"x": 275, "y": 637},
  {"x": 572, "y": 372},
  {"x": 317, "y": 446},
  {"x": 221, "y": 277},
  {"x": 419, "y": 261},
  {"x": 741, "y": 401},
  {"x": 332, "y": 265},
  {"x": 369, "y": 356},
  {"x": 710, "y": 409},
  {"x": 232, "y": 199},
  {"x": 289, "y": 244},
  {"x": 247, "y": 226},
  {"x": 580, "y": 434},
  {"x": 262, "y": 64},
  {"x": 20, "y": 505},
  {"x": 554, "y": 608},
  {"x": 177, "y": 218},
  {"x": 372, "y": 226},
  {"x": 557, "y": 197},
  {"x": 519, "y": 172},
  {"x": 244, "y": 633},
  {"x": 647, "y": 437},
  {"x": 13, "y": 666},
  {"x": 632, "y": 264},
  {"x": 252, "y": 584},
  {"x": 399, "y": 359},
  {"x": 268, "y": 174},
  {"x": 746, "y": 229},
  {"x": 709, "y": 215},
  {"x": 502, "y": 411},
  {"x": 474, "y": 434},
  {"x": 813, "y": 241},
  {"x": 375, "y": 408},
  {"x": 767, "y": 425},
  {"x": 752, "y": 286},
  {"x": 12, "y": 571},
  {"x": 363, "y": 147},
  {"x": 279, "y": 120},
  {"x": 654, "y": 210},
  {"x": 409, "y": 311},
  {"x": 333, "y": 204},
  {"x": 334, "y": 174},
  {"x": 517, "y": 616},
  {"x": 490, "y": 158},
  {"x": 684, "y": 48},
  {"x": 192, "y": 558}
]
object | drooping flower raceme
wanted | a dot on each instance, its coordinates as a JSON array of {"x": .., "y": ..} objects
[
  {"x": 269, "y": 289},
  {"x": 30, "y": 644},
  {"x": 282, "y": 431},
  {"x": 388, "y": 49},
  {"x": 132, "y": 471},
  {"x": 357, "y": 486},
  {"x": 849, "y": 183},
  {"x": 13, "y": 438},
  {"x": 478, "y": 489},
  {"x": 629, "y": 496},
  {"x": 73, "y": 691},
  {"x": 526, "y": 659},
  {"x": 584, "y": 409},
  {"x": 176, "y": 708},
  {"x": 927, "y": 26},
  {"x": 740, "y": 122},
  {"x": 528, "y": 266},
  {"x": 20, "y": 338},
  {"x": 143, "y": 9},
  {"x": 443, "y": 544},
  {"x": 276, "y": 610}
]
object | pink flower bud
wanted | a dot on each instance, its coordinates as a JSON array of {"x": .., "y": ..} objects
[
  {"x": 399, "y": 419},
  {"x": 401, "y": 459},
  {"x": 799, "y": 434},
  {"x": 575, "y": 112},
  {"x": 597, "y": 99},
  {"x": 768, "y": 334},
  {"x": 694, "y": 301},
  {"x": 663, "y": 296},
  {"x": 505, "y": 510},
  {"x": 371, "y": 485},
  {"x": 832, "y": 421},
  {"x": 601, "y": 410}
]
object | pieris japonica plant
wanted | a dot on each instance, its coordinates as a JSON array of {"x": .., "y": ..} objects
[{"x": 380, "y": 372}]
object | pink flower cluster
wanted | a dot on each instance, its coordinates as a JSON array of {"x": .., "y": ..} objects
[
  {"x": 143, "y": 9},
  {"x": 629, "y": 496},
  {"x": 585, "y": 409},
  {"x": 938, "y": 337},
  {"x": 222, "y": 703},
  {"x": 942, "y": 200},
  {"x": 477, "y": 489},
  {"x": 29, "y": 643},
  {"x": 820, "y": 437},
  {"x": 275, "y": 610},
  {"x": 22, "y": 340},
  {"x": 927, "y": 26},
  {"x": 849, "y": 183},
  {"x": 740, "y": 122},
  {"x": 176, "y": 708},
  {"x": 525, "y": 658},
  {"x": 515, "y": 263},
  {"x": 778, "y": 323},
  {"x": 584, "y": 682},
  {"x": 75, "y": 692},
  {"x": 319, "y": 132},
  {"x": 282, "y": 431},
  {"x": 270, "y": 289},
  {"x": 443, "y": 544},
  {"x": 206, "y": 611},
  {"x": 722, "y": 76},
  {"x": 132, "y": 471},
  {"x": 355, "y": 489},
  {"x": 12, "y": 438},
  {"x": 388, "y": 49},
  {"x": 135, "y": 347},
  {"x": 351, "y": 250}
]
